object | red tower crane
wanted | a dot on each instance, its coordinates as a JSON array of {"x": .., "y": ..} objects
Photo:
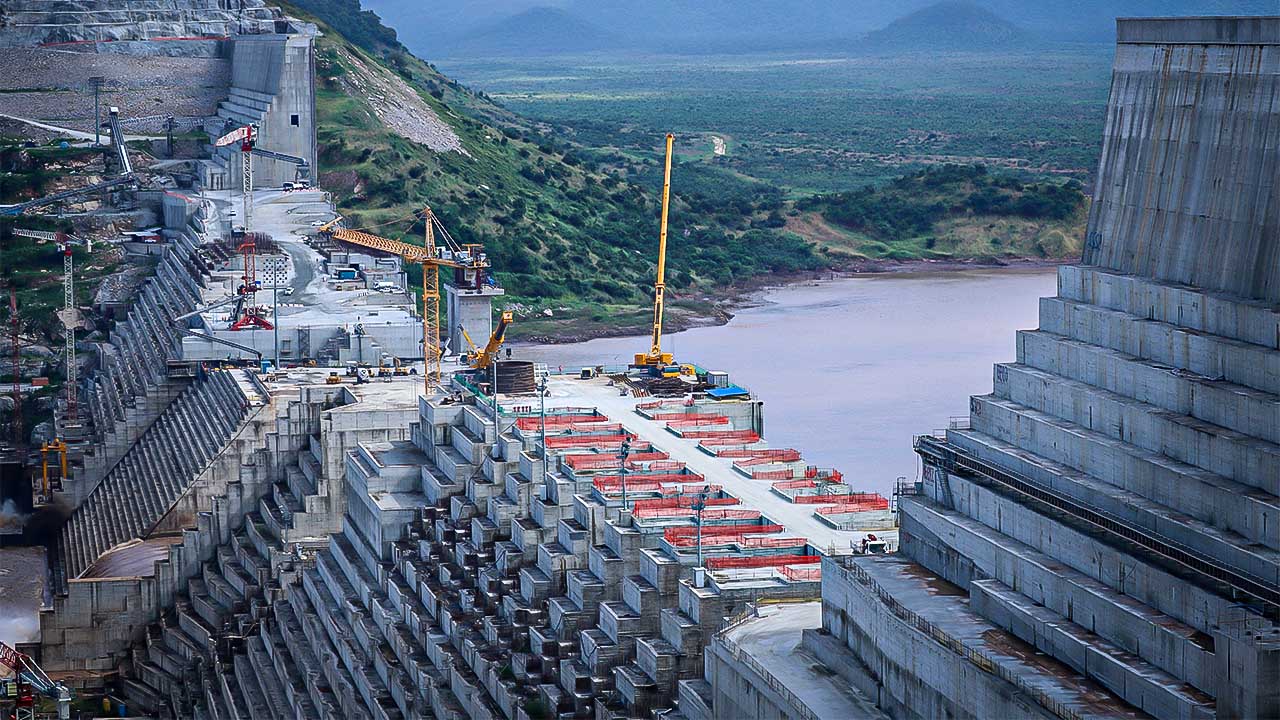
[{"x": 247, "y": 311}]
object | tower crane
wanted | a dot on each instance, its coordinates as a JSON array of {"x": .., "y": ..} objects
[
  {"x": 70, "y": 317},
  {"x": 247, "y": 137},
  {"x": 31, "y": 678},
  {"x": 467, "y": 259},
  {"x": 656, "y": 357}
]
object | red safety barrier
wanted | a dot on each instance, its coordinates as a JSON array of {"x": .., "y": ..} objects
[
  {"x": 586, "y": 441},
  {"x": 872, "y": 501},
  {"x": 740, "y": 436},
  {"x": 698, "y": 422},
  {"x": 773, "y": 542},
  {"x": 680, "y": 501},
  {"x": 672, "y": 490},
  {"x": 761, "y": 561},
  {"x": 772, "y": 474},
  {"x": 846, "y": 508},
  {"x": 794, "y": 484},
  {"x": 558, "y": 421},
  {"x": 672, "y": 512},
  {"x": 684, "y": 416},
  {"x": 600, "y": 461},
  {"x": 759, "y": 456},
  {"x": 824, "y": 474},
  {"x": 614, "y": 482},
  {"x": 739, "y": 529},
  {"x": 802, "y": 574}
]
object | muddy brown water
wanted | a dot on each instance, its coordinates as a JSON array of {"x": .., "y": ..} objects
[{"x": 850, "y": 369}]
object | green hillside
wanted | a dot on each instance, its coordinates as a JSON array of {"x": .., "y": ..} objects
[
  {"x": 566, "y": 229},
  {"x": 948, "y": 212}
]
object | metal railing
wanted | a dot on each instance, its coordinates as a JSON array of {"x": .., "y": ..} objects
[
  {"x": 796, "y": 708},
  {"x": 957, "y": 462},
  {"x": 940, "y": 636}
]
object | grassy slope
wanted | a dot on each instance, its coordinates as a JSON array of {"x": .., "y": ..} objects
[
  {"x": 947, "y": 213},
  {"x": 567, "y": 228}
]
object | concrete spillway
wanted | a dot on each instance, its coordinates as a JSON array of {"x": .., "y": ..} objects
[{"x": 1102, "y": 537}]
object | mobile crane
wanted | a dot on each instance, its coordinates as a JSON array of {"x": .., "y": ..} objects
[
  {"x": 469, "y": 259},
  {"x": 656, "y": 358},
  {"x": 481, "y": 359}
]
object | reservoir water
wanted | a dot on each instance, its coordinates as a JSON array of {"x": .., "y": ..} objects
[{"x": 850, "y": 369}]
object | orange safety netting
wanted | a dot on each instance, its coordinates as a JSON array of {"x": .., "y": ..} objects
[
  {"x": 738, "y": 436},
  {"x": 654, "y": 404},
  {"x": 749, "y": 452},
  {"x": 700, "y": 421},
  {"x": 848, "y": 508},
  {"x": 823, "y": 474},
  {"x": 761, "y": 561},
  {"x": 802, "y": 574},
  {"x": 673, "y": 490},
  {"x": 598, "y": 461},
  {"x": 772, "y": 542},
  {"x": 795, "y": 484},
  {"x": 559, "y": 422},
  {"x": 772, "y": 474},
  {"x": 738, "y": 529},
  {"x": 680, "y": 501},
  {"x": 714, "y": 538},
  {"x": 586, "y": 441},
  {"x": 673, "y": 512},
  {"x": 869, "y": 501},
  {"x": 614, "y": 482}
]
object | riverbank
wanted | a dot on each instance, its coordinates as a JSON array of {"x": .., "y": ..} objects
[
  {"x": 687, "y": 313},
  {"x": 849, "y": 369}
]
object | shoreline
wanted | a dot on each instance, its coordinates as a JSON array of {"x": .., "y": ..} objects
[{"x": 750, "y": 294}]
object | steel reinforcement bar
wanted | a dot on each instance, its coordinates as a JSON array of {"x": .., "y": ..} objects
[{"x": 956, "y": 461}]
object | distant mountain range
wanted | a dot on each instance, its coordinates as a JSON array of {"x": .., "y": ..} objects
[
  {"x": 539, "y": 27},
  {"x": 538, "y": 31},
  {"x": 948, "y": 26}
]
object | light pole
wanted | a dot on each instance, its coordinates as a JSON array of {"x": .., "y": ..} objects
[
  {"x": 542, "y": 430},
  {"x": 700, "y": 504},
  {"x": 275, "y": 313},
  {"x": 96, "y": 83},
  {"x": 623, "y": 453}
]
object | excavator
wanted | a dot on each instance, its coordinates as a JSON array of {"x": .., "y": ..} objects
[{"x": 481, "y": 359}]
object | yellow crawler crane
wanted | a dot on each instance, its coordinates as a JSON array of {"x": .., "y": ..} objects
[
  {"x": 655, "y": 356},
  {"x": 431, "y": 258}
]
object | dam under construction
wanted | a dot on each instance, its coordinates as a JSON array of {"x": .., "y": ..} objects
[{"x": 278, "y": 503}]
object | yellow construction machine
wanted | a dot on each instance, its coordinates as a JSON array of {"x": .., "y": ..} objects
[
  {"x": 49, "y": 484},
  {"x": 468, "y": 258},
  {"x": 656, "y": 357},
  {"x": 481, "y": 359}
]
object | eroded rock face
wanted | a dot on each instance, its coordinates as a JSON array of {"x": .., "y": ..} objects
[
  {"x": 399, "y": 106},
  {"x": 25, "y": 23}
]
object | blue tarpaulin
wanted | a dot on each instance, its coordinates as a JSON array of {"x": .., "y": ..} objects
[{"x": 727, "y": 392}]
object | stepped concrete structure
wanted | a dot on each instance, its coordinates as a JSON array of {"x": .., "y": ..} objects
[
  {"x": 70, "y": 22},
  {"x": 498, "y": 560},
  {"x": 1101, "y": 538}
]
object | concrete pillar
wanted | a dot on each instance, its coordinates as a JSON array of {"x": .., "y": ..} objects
[{"x": 1248, "y": 666}]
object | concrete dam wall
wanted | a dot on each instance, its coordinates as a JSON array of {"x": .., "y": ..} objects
[{"x": 1187, "y": 185}]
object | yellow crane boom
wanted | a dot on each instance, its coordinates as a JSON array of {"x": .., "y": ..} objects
[
  {"x": 429, "y": 258},
  {"x": 483, "y": 358},
  {"x": 655, "y": 356}
]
